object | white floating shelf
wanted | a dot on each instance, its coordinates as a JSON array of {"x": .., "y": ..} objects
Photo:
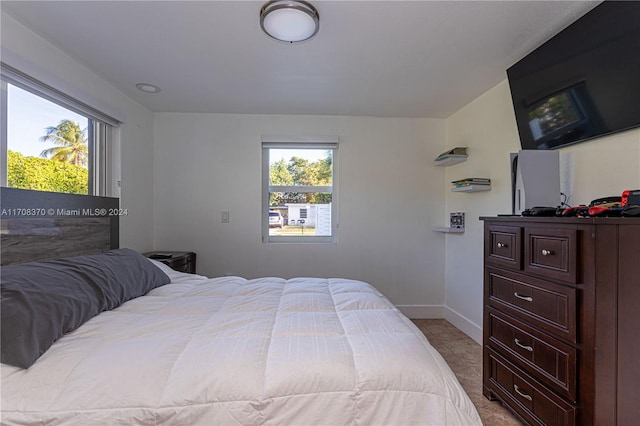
[
  {"x": 450, "y": 160},
  {"x": 447, "y": 230},
  {"x": 471, "y": 188}
]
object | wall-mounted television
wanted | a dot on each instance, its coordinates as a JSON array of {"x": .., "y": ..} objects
[{"x": 583, "y": 83}]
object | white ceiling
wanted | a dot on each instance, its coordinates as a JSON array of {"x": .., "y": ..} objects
[{"x": 371, "y": 58}]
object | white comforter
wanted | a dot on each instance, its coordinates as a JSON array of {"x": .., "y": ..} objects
[{"x": 229, "y": 351}]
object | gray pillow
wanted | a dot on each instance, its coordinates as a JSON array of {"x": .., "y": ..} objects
[{"x": 41, "y": 301}]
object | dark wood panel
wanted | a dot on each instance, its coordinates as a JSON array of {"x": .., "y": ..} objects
[
  {"x": 553, "y": 361},
  {"x": 601, "y": 307},
  {"x": 530, "y": 400},
  {"x": 551, "y": 253},
  {"x": 503, "y": 246},
  {"x": 38, "y": 225},
  {"x": 28, "y": 240},
  {"x": 628, "y": 407},
  {"x": 598, "y": 261},
  {"x": 181, "y": 261},
  {"x": 548, "y": 305}
]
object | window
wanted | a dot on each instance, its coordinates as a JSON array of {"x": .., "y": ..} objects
[
  {"x": 299, "y": 200},
  {"x": 51, "y": 142}
]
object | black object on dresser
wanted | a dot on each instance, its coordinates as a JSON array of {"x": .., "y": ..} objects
[
  {"x": 181, "y": 261},
  {"x": 561, "y": 323}
]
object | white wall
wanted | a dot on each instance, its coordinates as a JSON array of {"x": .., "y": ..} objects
[
  {"x": 602, "y": 167},
  {"x": 389, "y": 197},
  {"x": 199, "y": 165},
  {"x": 487, "y": 127},
  {"x": 30, "y": 53}
]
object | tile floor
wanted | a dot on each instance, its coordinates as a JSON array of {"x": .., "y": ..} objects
[{"x": 464, "y": 356}]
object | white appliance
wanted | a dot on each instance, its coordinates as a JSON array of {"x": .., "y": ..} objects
[{"x": 535, "y": 179}]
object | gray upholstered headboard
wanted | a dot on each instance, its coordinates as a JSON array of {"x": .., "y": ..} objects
[{"x": 36, "y": 225}]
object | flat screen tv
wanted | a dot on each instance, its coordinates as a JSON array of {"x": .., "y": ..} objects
[{"x": 583, "y": 83}]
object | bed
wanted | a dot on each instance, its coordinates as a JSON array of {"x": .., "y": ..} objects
[{"x": 146, "y": 345}]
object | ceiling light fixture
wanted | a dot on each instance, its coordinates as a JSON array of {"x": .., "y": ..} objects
[
  {"x": 148, "y": 88},
  {"x": 289, "y": 20}
]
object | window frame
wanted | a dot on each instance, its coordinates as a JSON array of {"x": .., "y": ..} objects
[
  {"x": 100, "y": 131},
  {"x": 299, "y": 142}
]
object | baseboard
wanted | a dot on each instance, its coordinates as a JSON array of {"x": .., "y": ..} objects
[
  {"x": 463, "y": 324},
  {"x": 443, "y": 312},
  {"x": 422, "y": 311}
]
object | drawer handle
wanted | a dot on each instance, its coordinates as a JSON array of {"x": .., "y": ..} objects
[
  {"x": 522, "y": 394},
  {"x": 546, "y": 252},
  {"x": 525, "y": 347},
  {"x": 501, "y": 245},
  {"x": 521, "y": 297}
]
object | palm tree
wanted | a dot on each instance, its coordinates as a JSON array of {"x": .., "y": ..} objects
[{"x": 72, "y": 143}]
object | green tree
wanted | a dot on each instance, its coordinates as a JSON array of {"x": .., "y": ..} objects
[
  {"x": 298, "y": 168},
  {"x": 71, "y": 143},
  {"x": 299, "y": 171},
  {"x": 279, "y": 175},
  {"x": 45, "y": 175},
  {"x": 319, "y": 173},
  {"x": 325, "y": 170}
]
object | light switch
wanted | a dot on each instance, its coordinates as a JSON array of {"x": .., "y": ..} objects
[{"x": 225, "y": 216}]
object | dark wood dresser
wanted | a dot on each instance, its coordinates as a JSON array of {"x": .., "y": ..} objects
[
  {"x": 181, "y": 261},
  {"x": 562, "y": 319}
]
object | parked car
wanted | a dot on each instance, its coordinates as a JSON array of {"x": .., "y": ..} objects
[{"x": 275, "y": 219}]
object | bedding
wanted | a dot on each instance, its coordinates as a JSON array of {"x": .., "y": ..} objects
[
  {"x": 232, "y": 351},
  {"x": 41, "y": 301}
]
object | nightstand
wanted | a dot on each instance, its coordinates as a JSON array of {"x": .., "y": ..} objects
[{"x": 181, "y": 261}]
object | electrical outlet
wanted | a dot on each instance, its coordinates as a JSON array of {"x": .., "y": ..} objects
[{"x": 225, "y": 216}]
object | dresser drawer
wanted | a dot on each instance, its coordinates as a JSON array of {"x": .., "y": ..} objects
[
  {"x": 551, "y": 253},
  {"x": 552, "y": 361},
  {"x": 548, "y": 306},
  {"x": 503, "y": 246},
  {"x": 526, "y": 396}
]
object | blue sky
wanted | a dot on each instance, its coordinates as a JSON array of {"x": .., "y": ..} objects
[
  {"x": 311, "y": 155},
  {"x": 27, "y": 117}
]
